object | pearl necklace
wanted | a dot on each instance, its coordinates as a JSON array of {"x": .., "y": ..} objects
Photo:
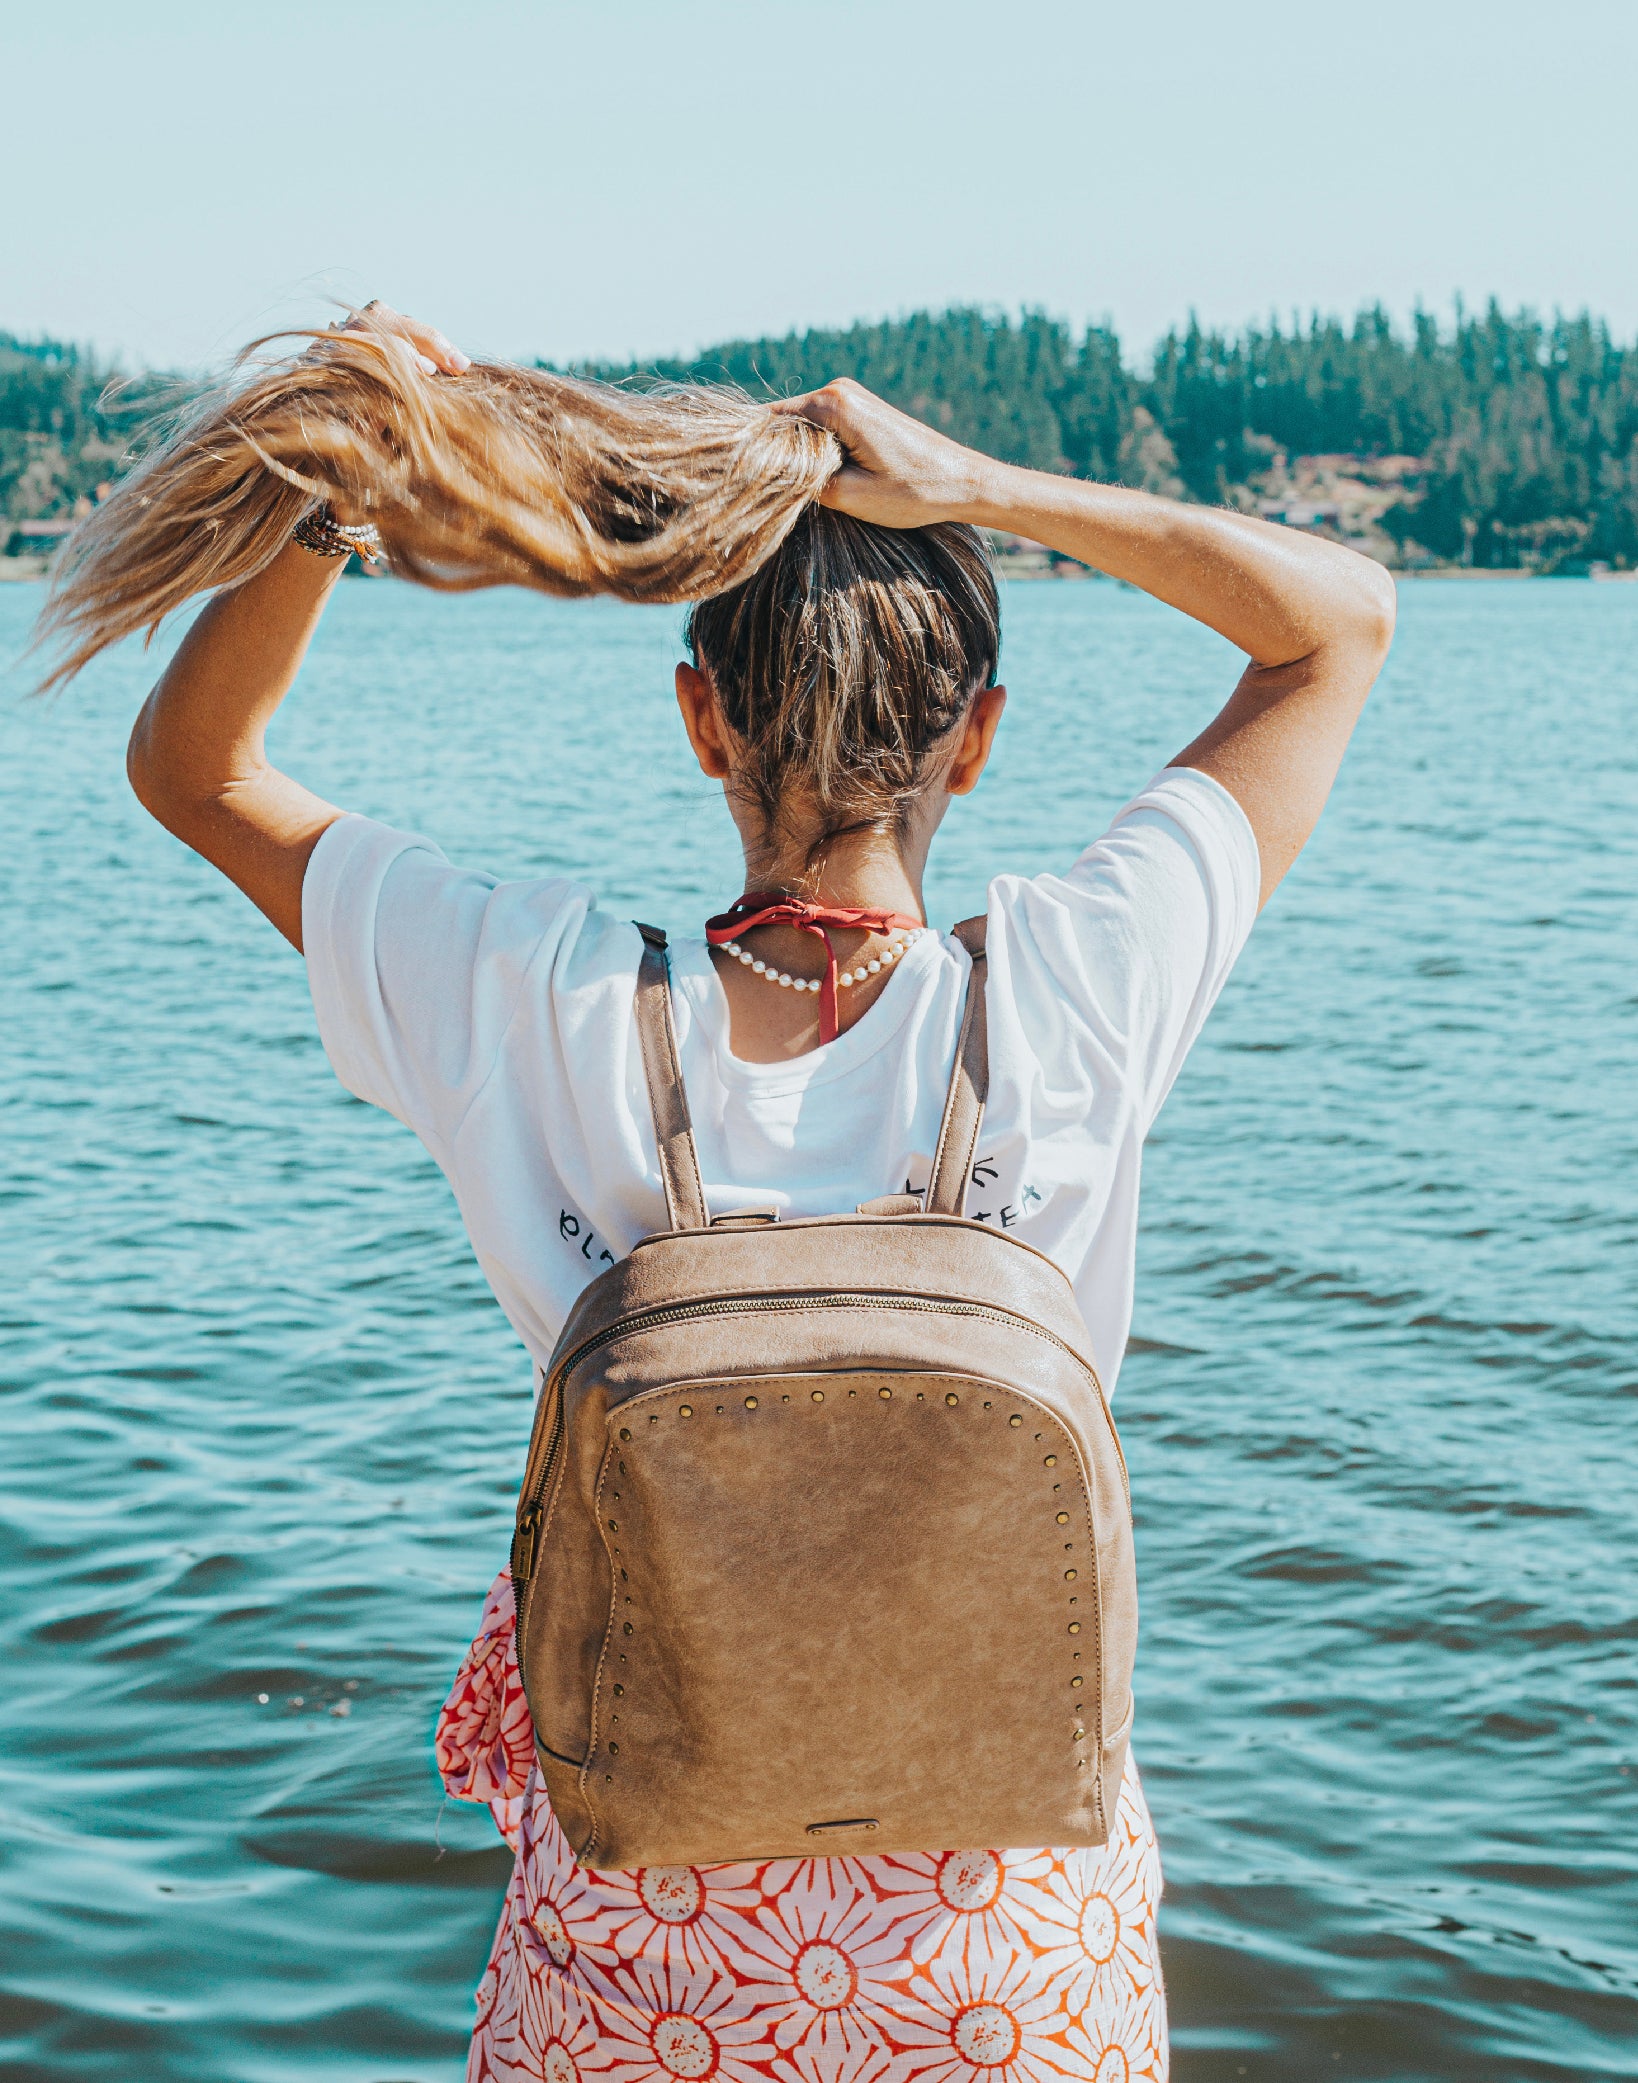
[
  {"x": 780, "y": 908},
  {"x": 898, "y": 945}
]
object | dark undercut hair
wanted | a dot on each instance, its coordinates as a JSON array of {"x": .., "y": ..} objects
[{"x": 842, "y": 662}]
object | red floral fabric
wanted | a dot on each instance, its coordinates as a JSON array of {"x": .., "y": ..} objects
[{"x": 954, "y": 1967}]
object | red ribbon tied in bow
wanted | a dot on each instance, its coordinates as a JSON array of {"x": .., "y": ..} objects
[{"x": 746, "y": 913}]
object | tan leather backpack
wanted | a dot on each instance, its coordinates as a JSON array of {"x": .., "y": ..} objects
[{"x": 824, "y": 1544}]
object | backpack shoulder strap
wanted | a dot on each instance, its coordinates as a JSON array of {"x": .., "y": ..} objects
[
  {"x": 673, "y": 1132},
  {"x": 969, "y": 1088}
]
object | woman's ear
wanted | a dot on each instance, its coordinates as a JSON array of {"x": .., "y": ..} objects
[
  {"x": 978, "y": 735},
  {"x": 702, "y": 719}
]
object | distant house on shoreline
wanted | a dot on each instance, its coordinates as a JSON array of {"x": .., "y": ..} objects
[
  {"x": 31, "y": 538},
  {"x": 1301, "y": 513}
]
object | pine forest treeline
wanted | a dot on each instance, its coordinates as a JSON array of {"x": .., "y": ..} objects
[
  {"x": 67, "y": 425},
  {"x": 1498, "y": 441}
]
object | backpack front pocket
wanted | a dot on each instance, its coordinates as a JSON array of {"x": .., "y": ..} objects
[{"x": 850, "y": 1610}]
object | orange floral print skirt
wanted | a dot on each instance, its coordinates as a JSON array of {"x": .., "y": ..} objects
[{"x": 960, "y": 1967}]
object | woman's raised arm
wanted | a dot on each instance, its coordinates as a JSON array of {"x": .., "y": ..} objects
[
  {"x": 198, "y": 760},
  {"x": 1314, "y": 618}
]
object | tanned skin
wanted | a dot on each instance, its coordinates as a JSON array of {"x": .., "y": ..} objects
[{"x": 1313, "y": 619}]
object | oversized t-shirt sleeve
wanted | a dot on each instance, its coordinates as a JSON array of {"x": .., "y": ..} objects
[
  {"x": 1122, "y": 959},
  {"x": 417, "y": 968}
]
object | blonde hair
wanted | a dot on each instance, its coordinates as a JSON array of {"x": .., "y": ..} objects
[
  {"x": 501, "y": 476},
  {"x": 841, "y": 652}
]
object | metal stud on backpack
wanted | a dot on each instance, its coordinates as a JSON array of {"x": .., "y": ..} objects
[{"x": 824, "y": 1544}]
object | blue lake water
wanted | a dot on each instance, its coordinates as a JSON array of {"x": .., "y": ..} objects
[{"x": 261, "y": 1420}]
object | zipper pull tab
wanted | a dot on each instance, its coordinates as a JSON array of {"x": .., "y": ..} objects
[{"x": 523, "y": 1546}]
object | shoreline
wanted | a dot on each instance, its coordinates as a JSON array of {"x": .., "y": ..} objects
[
  {"x": 23, "y": 570},
  {"x": 1027, "y": 570}
]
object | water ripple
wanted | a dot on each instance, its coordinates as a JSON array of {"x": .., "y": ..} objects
[{"x": 263, "y": 1420}]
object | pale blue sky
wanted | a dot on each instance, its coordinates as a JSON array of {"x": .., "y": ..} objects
[{"x": 638, "y": 176}]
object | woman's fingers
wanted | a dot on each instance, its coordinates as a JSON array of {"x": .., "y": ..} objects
[
  {"x": 818, "y": 406},
  {"x": 434, "y": 353},
  {"x": 898, "y": 473},
  {"x": 836, "y": 408},
  {"x": 847, "y": 488},
  {"x": 442, "y": 352},
  {"x": 855, "y": 417}
]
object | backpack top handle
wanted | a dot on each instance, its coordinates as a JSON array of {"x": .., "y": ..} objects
[{"x": 674, "y": 1133}]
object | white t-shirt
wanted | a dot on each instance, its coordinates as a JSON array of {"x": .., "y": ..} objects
[{"x": 495, "y": 1019}]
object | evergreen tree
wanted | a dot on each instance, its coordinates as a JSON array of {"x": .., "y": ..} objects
[
  {"x": 61, "y": 433},
  {"x": 1517, "y": 439}
]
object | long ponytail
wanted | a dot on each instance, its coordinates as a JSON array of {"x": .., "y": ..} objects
[{"x": 501, "y": 476}]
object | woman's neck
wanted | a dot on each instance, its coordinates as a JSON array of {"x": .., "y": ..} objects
[{"x": 866, "y": 870}]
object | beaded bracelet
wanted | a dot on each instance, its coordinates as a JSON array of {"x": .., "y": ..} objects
[{"x": 320, "y": 532}]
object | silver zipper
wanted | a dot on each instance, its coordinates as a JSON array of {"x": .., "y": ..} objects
[
  {"x": 526, "y": 1535},
  {"x": 684, "y": 1312}
]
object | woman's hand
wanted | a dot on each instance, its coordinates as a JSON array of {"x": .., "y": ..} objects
[
  {"x": 198, "y": 757},
  {"x": 434, "y": 355},
  {"x": 1314, "y": 618},
  {"x": 898, "y": 473}
]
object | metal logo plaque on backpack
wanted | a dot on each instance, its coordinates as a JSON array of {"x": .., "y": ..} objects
[{"x": 824, "y": 1543}]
